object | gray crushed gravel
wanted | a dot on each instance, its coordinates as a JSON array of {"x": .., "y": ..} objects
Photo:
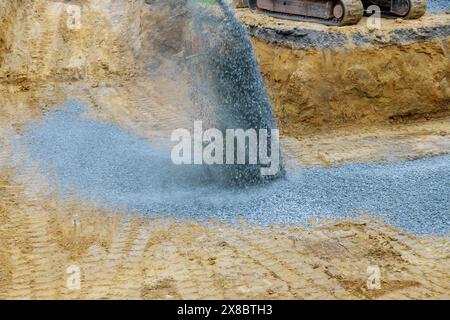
[
  {"x": 438, "y": 6},
  {"x": 103, "y": 163}
]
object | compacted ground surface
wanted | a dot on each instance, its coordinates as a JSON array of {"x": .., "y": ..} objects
[
  {"x": 130, "y": 256},
  {"x": 59, "y": 223}
]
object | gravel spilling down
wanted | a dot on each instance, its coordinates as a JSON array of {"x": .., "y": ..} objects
[{"x": 103, "y": 163}]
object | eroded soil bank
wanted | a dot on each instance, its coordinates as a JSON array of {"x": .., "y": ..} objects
[{"x": 371, "y": 88}]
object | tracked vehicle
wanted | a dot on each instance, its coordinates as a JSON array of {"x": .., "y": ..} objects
[
  {"x": 406, "y": 9},
  {"x": 337, "y": 12}
]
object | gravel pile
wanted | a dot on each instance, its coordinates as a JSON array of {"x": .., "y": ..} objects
[{"x": 103, "y": 163}]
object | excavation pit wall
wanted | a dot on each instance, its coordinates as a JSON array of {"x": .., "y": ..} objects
[{"x": 322, "y": 77}]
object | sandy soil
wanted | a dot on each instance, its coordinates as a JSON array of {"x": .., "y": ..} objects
[{"x": 130, "y": 256}]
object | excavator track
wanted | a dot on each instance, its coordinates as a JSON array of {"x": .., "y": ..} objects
[
  {"x": 353, "y": 12},
  {"x": 417, "y": 9}
]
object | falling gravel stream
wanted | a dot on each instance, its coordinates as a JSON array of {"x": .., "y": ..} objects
[{"x": 103, "y": 163}]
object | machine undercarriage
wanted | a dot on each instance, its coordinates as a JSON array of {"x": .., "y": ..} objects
[{"x": 337, "y": 12}]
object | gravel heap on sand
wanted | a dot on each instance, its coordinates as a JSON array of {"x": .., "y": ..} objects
[{"x": 101, "y": 162}]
